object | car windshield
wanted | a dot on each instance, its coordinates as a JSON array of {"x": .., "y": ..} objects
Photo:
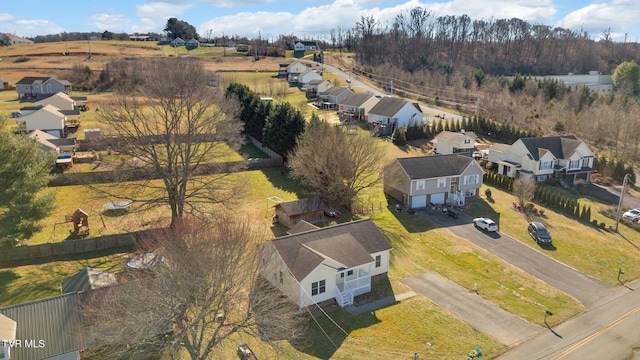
[
  {"x": 634, "y": 212},
  {"x": 542, "y": 232}
]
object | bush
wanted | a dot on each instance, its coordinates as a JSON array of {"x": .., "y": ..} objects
[
  {"x": 602, "y": 225},
  {"x": 487, "y": 193},
  {"x": 594, "y": 222}
]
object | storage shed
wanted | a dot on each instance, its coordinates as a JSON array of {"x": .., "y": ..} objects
[{"x": 290, "y": 213}]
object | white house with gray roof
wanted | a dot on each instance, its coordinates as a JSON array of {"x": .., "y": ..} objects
[
  {"x": 436, "y": 179},
  {"x": 555, "y": 157},
  {"x": 390, "y": 112},
  {"x": 335, "y": 262}
]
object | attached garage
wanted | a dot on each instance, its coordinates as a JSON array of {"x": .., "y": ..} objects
[
  {"x": 437, "y": 198},
  {"x": 419, "y": 201}
]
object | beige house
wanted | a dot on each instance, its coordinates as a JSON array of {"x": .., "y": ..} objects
[
  {"x": 448, "y": 142},
  {"x": 437, "y": 179},
  {"x": 564, "y": 158},
  {"x": 60, "y": 100},
  {"x": 357, "y": 105},
  {"x": 334, "y": 263},
  {"x": 47, "y": 119}
]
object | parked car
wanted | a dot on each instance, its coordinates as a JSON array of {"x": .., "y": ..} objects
[
  {"x": 16, "y": 114},
  {"x": 633, "y": 215},
  {"x": 332, "y": 213},
  {"x": 485, "y": 224},
  {"x": 539, "y": 233}
]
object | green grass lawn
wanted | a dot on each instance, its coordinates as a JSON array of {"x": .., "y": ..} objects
[{"x": 31, "y": 282}]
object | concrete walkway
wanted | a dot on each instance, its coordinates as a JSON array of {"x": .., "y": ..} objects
[
  {"x": 378, "y": 304},
  {"x": 481, "y": 314}
]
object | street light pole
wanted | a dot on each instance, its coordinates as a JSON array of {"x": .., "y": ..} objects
[
  {"x": 624, "y": 185},
  {"x": 620, "y": 272},
  {"x": 547, "y": 313}
]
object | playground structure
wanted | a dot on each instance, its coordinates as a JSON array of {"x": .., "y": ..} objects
[{"x": 80, "y": 220}]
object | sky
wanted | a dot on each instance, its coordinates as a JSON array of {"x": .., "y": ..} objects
[{"x": 306, "y": 19}]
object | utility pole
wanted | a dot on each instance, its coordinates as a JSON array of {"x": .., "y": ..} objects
[{"x": 624, "y": 185}]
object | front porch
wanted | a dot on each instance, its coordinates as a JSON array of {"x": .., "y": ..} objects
[{"x": 351, "y": 283}]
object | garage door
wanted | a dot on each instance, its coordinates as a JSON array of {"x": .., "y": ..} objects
[
  {"x": 437, "y": 198},
  {"x": 419, "y": 201}
]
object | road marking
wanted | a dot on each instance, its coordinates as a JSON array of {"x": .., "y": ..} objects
[{"x": 596, "y": 334}]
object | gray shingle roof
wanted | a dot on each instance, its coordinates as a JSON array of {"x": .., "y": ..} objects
[
  {"x": 88, "y": 279},
  {"x": 356, "y": 99},
  {"x": 303, "y": 252},
  {"x": 562, "y": 147},
  {"x": 29, "y": 80},
  {"x": 389, "y": 106},
  {"x": 301, "y": 206},
  {"x": 335, "y": 91},
  {"x": 56, "y": 320},
  {"x": 434, "y": 166},
  {"x": 301, "y": 226},
  {"x": 456, "y": 136}
]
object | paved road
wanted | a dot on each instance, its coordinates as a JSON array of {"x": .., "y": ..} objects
[
  {"x": 587, "y": 290},
  {"x": 608, "y": 331},
  {"x": 481, "y": 314}
]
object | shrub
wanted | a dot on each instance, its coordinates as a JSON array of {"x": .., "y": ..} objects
[
  {"x": 602, "y": 225},
  {"x": 540, "y": 212},
  {"x": 487, "y": 193},
  {"x": 595, "y": 222}
]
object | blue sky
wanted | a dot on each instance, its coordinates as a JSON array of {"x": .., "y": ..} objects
[{"x": 303, "y": 18}]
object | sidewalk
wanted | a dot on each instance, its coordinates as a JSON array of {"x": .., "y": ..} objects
[{"x": 378, "y": 304}]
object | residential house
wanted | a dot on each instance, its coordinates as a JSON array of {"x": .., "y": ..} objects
[
  {"x": 307, "y": 76},
  {"x": 40, "y": 87},
  {"x": 330, "y": 98},
  {"x": 356, "y": 106},
  {"x": 50, "y": 328},
  {"x": 192, "y": 43},
  {"x": 449, "y": 142},
  {"x": 88, "y": 279},
  {"x": 231, "y": 44},
  {"x": 60, "y": 100},
  {"x": 335, "y": 262},
  {"x": 291, "y": 212},
  {"x": 301, "y": 226},
  {"x": 390, "y": 112},
  {"x": 305, "y": 46},
  {"x": 177, "y": 42},
  {"x": 313, "y": 87},
  {"x": 564, "y": 158},
  {"x": 48, "y": 119},
  {"x": 10, "y": 39},
  {"x": 7, "y": 336},
  {"x": 294, "y": 69},
  {"x": 53, "y": 143},
  {"x": 436, "y": 179},
  {"x": 4, "y": 84}
]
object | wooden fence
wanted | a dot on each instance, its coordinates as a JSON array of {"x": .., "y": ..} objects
[
  {"x": 33, "y": 253},
  {"x": 272, "y": 154}
]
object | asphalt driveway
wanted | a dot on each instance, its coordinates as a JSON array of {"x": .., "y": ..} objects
[{"x": 587, "y": 290}]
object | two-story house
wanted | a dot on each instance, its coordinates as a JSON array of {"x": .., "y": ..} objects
[
  {"x": 333, "y": 96},
  {"x": 357, "y": 105},
  {"x": 323, "y": 264},
  {"x": 305, "y": 46},
  {"x": 391, "y": 112},
  {"x": 437, "y": 179},
  {"x": 449, "y": 142},
  {"x": 564, "y": 158},
  {"x": 41, "y": 86}
]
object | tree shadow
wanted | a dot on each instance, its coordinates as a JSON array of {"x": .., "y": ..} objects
[
  {"x": 6, "y": 277},
  {"x": 280, "y": 177}
]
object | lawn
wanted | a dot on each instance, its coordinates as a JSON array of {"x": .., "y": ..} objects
[{"x": 30, "y": 282}]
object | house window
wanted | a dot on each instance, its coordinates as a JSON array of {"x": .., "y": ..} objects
[
  {"x": 541, "y": 178},
  {"x": 472, "y": 179},
  {"x": 318, "y": 287},
  {"x": 546, "y": 165},
  {"x": 281, "y": 278},
  {"x": 574, "y": 164},
  {"x": 442, "y": 182},
  {"x": 350, "y": 272},
  {"x": 378, "y": 260},
  {"x": 421, "y": 184},
  {"x": 467, "y": 141}
]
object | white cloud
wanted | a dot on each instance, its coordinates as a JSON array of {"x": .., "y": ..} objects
[
  {"x": 110, "y": 22},
  {"x": 30, "y": 28},
  {"x": 617, "y": 15}
]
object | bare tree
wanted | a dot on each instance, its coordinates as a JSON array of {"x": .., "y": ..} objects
[
  {"x": 175, "y": 127},
  {"x": 206, "y": 290},
  {"x": 339, "y": 165},
  {"x": 524, "y": 189}
]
